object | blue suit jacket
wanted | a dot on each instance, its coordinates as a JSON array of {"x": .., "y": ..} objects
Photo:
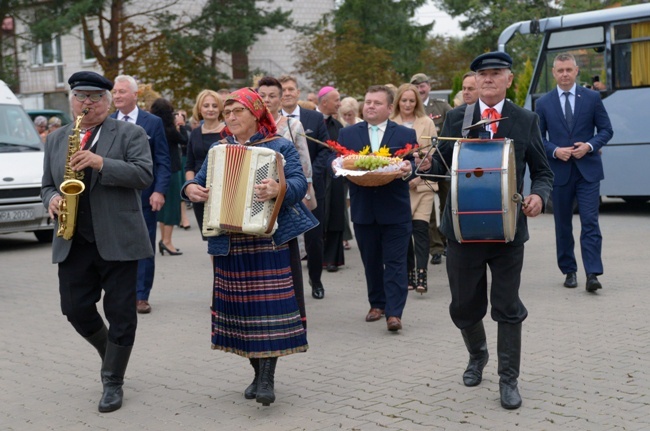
[
  {"x": 590, "y": 124},
  {"x": 389, "y": 204},
  {"x": 155, "y": 130}
]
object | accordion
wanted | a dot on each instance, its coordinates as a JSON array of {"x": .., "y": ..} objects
[{"x": 232, "y": 206}]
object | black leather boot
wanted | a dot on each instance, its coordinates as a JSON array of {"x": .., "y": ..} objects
[
  {"x": 99, "y": 340},
  {"x": 113, "y": 369},
  {"x": 251, "y": 390},
  {"x": 509, "y": 353},
  {"x": 265, "y": 381},
  {"x": 474, "y": 338}
]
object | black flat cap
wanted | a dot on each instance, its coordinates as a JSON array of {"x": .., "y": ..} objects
[
  {"x": 491, "y": 60},
  {"x": 89, "y": 81}
]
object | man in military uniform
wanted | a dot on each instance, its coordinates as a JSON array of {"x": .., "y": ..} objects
[{"x": 437, "y": 110}]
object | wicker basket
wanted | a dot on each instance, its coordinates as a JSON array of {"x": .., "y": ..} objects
[
  {"x": 373, "y": 179},
  {"x": 367, "y": 178}
]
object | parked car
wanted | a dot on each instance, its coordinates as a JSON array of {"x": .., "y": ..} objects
[
  {"x": 49, "y": 113},
  {"x": 21, "y": 171}
]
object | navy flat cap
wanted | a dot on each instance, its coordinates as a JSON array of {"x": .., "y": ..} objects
[
  {"x": 89, "y": 81},
  {"x": 491, "y": 60}
]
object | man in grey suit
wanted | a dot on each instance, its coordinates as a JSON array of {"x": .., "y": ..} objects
[{"x": 110, "y": 234}]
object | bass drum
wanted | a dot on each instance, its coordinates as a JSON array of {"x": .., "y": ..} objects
[{"x": 483, "y": 182}]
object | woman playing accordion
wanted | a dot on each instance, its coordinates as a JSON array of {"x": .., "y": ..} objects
[{"x": 254, "y": 309}]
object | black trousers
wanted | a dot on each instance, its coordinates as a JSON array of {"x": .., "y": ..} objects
[
  {"x": 418, "y": 254},
  {"x": 296, "y": 276},
  {"x": 314, "y": 245},
  {"x": 82, "y": 277},
  {"x": 467, "y": 271}
]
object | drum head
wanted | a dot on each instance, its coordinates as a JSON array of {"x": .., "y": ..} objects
[{"x": 509, "y": 187}]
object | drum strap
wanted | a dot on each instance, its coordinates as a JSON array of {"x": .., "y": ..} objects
[{"x": 467, "y": 120}]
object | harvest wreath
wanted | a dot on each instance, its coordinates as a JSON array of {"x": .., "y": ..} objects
[{"x": 365, "y": 168}]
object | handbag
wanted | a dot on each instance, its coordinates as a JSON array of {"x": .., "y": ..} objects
[{"x": 310, "y": 197}]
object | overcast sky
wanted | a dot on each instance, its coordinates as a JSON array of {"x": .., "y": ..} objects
[{"x": 445, "y": 24}]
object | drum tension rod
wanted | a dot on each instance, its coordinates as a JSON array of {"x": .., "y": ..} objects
[{"x": 518, "y": 198}]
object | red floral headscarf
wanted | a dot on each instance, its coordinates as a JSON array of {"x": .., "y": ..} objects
[{"x": 254, "y": 103}]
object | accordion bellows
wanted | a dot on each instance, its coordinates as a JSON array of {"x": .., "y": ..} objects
[{"x": 232, "y": 206}]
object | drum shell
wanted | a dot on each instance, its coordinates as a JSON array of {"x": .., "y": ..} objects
[{"x": 483, "y": 181}]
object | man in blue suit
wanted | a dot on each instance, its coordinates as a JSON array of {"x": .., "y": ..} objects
[
  {"x": 568, "y": 117},
  {"x": 314, "y": 124},
  {"x": 382, "y": 215},
  {"x": 125, "y": 97}
]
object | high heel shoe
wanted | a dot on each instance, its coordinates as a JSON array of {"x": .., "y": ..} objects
[
  {"x": 412, "y": 282},
  {"x": 186, "y": 227},
  {"x": 421, "y": 285},
  {"x": 163, "y": 248}
]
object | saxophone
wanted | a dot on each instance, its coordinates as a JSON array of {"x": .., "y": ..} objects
[{"x": 72, "y": 186}]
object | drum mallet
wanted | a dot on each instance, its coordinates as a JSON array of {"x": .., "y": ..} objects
[{"x": 519, "y": 199}]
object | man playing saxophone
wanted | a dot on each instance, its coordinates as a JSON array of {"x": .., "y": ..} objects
[{"x": 106, "y": 229}]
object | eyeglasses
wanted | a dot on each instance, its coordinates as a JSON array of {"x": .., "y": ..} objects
[
  {"x": 237, "y": 111},
  {"x": 96, "y": 97}
]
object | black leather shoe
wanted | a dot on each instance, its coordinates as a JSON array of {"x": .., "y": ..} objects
[
  {"x": 332, "y": 268},
  {"x": 317, "y": 290},
  {"x": 571, "y": 280},
  {"x": 592, "y": 283},
  {"x": 436, "y": 259}
]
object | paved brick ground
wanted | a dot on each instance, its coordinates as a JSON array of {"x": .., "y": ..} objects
[{"x": 584, "y": 364}]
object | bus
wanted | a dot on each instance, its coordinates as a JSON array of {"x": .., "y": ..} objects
[{"x": 612, "y": 48}]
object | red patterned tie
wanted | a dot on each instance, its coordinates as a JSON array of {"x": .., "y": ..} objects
[
  {"x": 85, "y": 139},
  {"x": 492, "y": 113}
]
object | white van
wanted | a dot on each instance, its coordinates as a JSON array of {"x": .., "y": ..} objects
[{"x": 21, "y": 171}]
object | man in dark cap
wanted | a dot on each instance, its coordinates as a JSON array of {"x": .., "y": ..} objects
[
  {"x": 467, "y": 262},
  {"x": 109, "y": 235}
]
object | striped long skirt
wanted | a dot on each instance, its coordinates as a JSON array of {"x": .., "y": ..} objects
[{"x": 254, "y": 308}]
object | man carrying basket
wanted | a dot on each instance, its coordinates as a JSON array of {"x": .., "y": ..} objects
[{"x": 382, "y": 215}]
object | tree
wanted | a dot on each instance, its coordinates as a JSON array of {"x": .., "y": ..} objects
[
  {"x": 113, "y": 22},
  {"x": 387, "y": 25},
  {"x": 443, "y": 59},
  {"x": 224, "y": 26},
  {"x": 11, "y": 12},
  {"x": 173, "y": 51},
  {"x": 344, "y": 60},
  {"x": 523, "y": 82},
  {"x": 488, "y": 18}
]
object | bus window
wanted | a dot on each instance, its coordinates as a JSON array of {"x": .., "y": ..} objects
[
  {"x": 631, "y": 52},
  {"x": 591, "y": 63}
]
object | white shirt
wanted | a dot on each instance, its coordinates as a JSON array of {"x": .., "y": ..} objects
[
  {"x": 498, "y": 107},
  {"x": 295, "y": 113},
  {"x": 572, "y": 98},
  {"x": 133, "y": 115}
]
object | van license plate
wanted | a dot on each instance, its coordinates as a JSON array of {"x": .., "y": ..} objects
[{"x": 16, "y": 215}]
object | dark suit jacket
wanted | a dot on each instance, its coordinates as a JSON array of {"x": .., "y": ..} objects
[
  {"x": 389, "y": 204},
  {"x": 118, "y": 224},
  {"x": 589, "y": 114},
  {"x": 153, "y": 125},
  {"x": 523, "y": 127},
  {"x": 314, "y": 124}
]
